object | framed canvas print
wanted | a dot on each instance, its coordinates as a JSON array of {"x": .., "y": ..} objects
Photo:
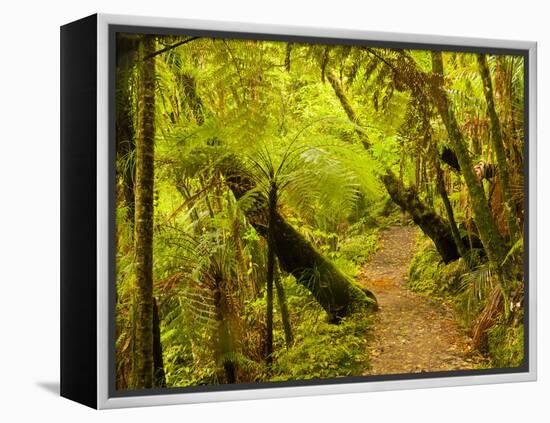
[{"x": 253, "y": 211}]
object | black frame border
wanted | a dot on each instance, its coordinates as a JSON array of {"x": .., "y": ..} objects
[{"x": 78, "y": 211}]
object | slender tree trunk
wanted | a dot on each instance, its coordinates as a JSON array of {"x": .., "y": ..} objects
[
  {"x": 288, "y": 52},
  {"x": 143, "y": 237},
  {"x": 272, "y": 208},
  {"x": 225, "y": 344},
  {"x": 496, "y": 133},
  {"x": 450, "y": 213},
  {"x": 125, "y": 134},
  {"x": 158, "y": 362},
  {"x": 424, "y": 216},
  {"x": 285, "y": 315},
  {"x": 346, "y": 105},
  {"x": 488, "y": 231},
  {"x": 193, "y": 100}
]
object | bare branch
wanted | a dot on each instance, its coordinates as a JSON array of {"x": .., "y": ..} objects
[{"x": 173, "y": 46}]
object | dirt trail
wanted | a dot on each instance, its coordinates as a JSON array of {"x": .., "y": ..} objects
[{"x": 412, "y": 333}]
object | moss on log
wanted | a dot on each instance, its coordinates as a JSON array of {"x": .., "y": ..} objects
[
  {"x": 335, "y": 292},
  {"x": 424, "y": 216}
]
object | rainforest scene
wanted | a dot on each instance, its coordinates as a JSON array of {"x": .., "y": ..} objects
[{"x": 292, "y": 211}]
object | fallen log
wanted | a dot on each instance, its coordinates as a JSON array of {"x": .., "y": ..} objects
[
  {"x": 335, "y": 292},
  {"x": 424, "y": 216}
]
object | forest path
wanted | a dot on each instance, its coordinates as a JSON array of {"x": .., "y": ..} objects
[{"x": 411, "y": 333}]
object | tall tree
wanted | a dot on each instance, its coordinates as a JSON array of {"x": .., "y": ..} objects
[
  {"x": 422, "y": 214},
  {"x": 485, "y": 222},
  {"x": 143, "y": 237},
  {"x": 283, "y": 307},
  {"x": 346, "y": 105},
  {"x": 333, "y": 290},
  {"x": 124, "y": 124},
  {"x": 158, "y": 362},
  {"x": 449, "y": 209},
  {"x": 498, "y": 144},
  {"x": 272, "y": 209}
]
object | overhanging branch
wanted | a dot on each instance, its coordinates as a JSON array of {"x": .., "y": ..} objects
[{"x": 173, "y": 46}]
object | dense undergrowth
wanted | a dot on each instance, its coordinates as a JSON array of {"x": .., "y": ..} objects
[
  {"x": 468, "y": 290},
  {"x": 319, "y": 348}
]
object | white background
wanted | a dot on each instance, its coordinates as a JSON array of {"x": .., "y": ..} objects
[{"x": 29, "y": 221}]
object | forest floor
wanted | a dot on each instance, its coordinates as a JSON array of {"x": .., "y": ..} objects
[{"x": 412, "y": 333}]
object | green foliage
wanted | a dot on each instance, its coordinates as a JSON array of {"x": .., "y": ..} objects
[
  {"x": 324, "y": 350},
  {"x": 468, "y": 289},
  {"x": 426, "y": 270},
  {"x": 505, "y": 344},
  {"x": 276, "y": 119},
  {"x": 475, "y": 286},
  {"x": 387, "y": 151},
  {"x": 347, "y": 266},
  {"x": 359, "y": 248},
  {"x": 430, "y": 276}
]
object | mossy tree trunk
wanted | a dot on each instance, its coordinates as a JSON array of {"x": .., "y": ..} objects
[
  {"x": 283, "y": 306},
  {"x": 498, "y": 144},
  {"x": 288, "y": 53},
  {"x": 272, "y": 208},
  {"x": 424, "y": 216},
  {"x": 193, "y": 100},
  {"x": 336, "y": 293},
  {"x": 346, "y": 105},
  {"x": 158, "y": 362},
  {"x": 143, "y": 237},
  {"x": 225, "y": 343},
  {"x": 124, "y": 127},
  {"x": 450, "y": 213},
  {"x": 488, "y": 231}
]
